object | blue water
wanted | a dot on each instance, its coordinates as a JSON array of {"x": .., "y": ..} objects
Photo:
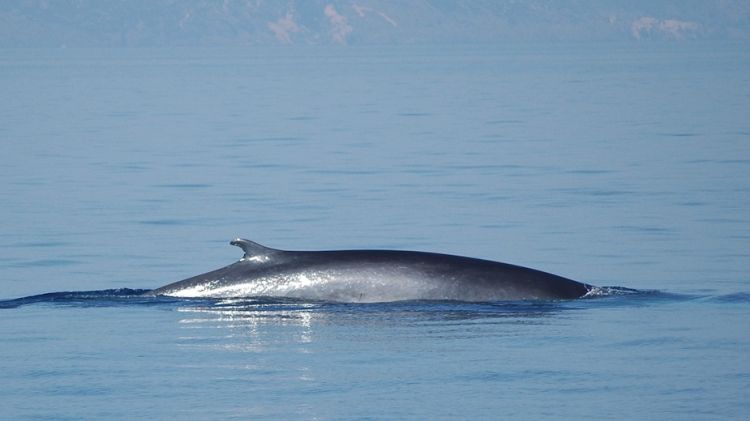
[{"x": 617, "y": 165}]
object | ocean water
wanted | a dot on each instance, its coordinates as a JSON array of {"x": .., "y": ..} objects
[{"x": 614, "y": 164}]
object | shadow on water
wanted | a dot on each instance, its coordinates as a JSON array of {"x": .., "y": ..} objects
[
  {"x": 739, "y": 297},
  {"x": 98, "y": 298},
  {"x": 270, "y": 308},
  {"x": 237, "y": 306}
]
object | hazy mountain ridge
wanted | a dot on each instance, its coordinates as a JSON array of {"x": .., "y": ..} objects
[{"x": 52, "y": 23}]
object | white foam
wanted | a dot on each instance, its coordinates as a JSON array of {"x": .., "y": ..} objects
[{"x": 609, "y": 291}]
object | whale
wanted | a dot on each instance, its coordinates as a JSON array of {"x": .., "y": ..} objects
[{"x": 366, "y": 276}]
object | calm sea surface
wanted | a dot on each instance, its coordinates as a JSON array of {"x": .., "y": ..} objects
[{"x": 617, "y": 165}]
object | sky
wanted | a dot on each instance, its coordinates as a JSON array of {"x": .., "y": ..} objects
[{"x": 229, "y": 23}]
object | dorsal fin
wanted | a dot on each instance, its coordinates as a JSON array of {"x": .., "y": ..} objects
[{"x": 252, "y": 249}]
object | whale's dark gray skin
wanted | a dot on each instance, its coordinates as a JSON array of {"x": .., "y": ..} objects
[{"x": 372, "y": 276}]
